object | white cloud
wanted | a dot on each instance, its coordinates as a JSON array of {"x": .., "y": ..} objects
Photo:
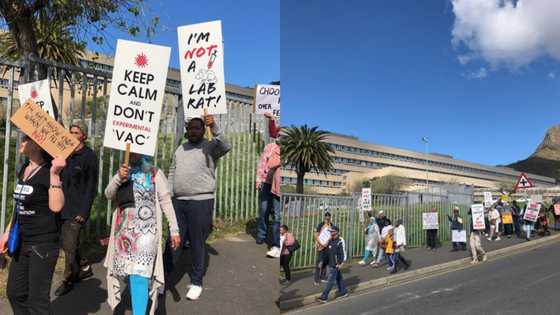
[
  {"x": 464, "y": 59},
  {"x": 507, "y": 32},
  {"x": 552, "y": 75},
  {"x": 480, "y": 74}
]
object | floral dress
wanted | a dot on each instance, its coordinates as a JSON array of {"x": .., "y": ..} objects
[{"x": 136, "y": 231}]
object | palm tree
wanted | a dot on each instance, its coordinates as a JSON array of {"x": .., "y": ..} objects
[{"x": 304, "y": 149}]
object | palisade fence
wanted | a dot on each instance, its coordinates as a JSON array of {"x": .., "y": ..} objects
[
  {"x": 302, "y": 214},
  {"x": 82, "y": 94}
]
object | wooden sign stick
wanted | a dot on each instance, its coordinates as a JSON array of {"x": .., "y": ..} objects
[
  {"x": 127, "y": 154},
  {"x": 208, "y": 129}
]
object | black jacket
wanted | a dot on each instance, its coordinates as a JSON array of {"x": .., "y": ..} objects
[
  {"x": 337, "y": 252},
  {"x": 79, "y": 182}
]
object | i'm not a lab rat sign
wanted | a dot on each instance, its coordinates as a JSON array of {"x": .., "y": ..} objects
[
  {"x": 136, "y": 99},
  {"x": 201, "y": 57}
]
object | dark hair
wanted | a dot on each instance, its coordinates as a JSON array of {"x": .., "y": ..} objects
[
  {"x": 285, "y": 227},
  {"x": 195, "y": 119}
]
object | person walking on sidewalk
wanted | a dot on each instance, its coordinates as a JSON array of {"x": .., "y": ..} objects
[
  {"x": 527, "y": 225},
  {"x": 38, "y": 198},
  {"x": 477, "y": 252},
  {"x": 192, "y": 179},
  {"x": 372, "y": 241},
  {"x": 431, "y": 236},
  {"x": 494, "y": 217},
  {"x": 517, "y": 218},
  {"x": 287, "y": 240},
  {"x": 322, "y": 238},
  {"x": 79, "y": 182},
  {"x": 400, "y": 244},
  {"x": 381, "y": 249},
  {"x": 457, "y": 225},
  {"x": 268, "y": 184},
  {"x": 135, "y": 246},
  {"x": 336, "y": 257}
]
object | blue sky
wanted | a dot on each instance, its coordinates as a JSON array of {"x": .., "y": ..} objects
[
  {"x": 388, "y": 72},
  {"x": 250, "y": 29}
]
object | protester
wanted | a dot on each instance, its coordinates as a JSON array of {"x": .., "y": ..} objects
[
  {"x": 372, "y": 241},
  {"x": 192, "y": 179},
  {"x": 134, "y": 253},
  {"x": 494, "y": 216},
  {"x": 322, "y": 254},
  {"x": 336, "y": 258},
  {"x": 286, "y": 240},
  {"x": 527, "y": 225},
  {"x": 556, "y": 217},
  {"x": 268, "y": 184},
  {"x": 543, "y": 222},
  {"x": 457, "y": 225},
  {"x": 381, "y": 255},
  {"x": 400, "y": 244},
  {"x": 389, "y": 247},
  {"x": 382, "y": 220},
  {"x": 79, "y": 182},
  {"x": 477, "y": 252},
  {"x": 431, "y": 236},
  {"x": 38, "y": 199},
  {"x": 507, "y": 219},
  {"x": 517, "y": 218}
]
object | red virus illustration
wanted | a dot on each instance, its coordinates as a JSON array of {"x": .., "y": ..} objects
[
  {"x": 34, "y": 94},
  {"x": 141, "y": 60}
]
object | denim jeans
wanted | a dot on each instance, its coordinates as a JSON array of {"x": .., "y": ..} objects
[
  {"x": 268, "y": 202},
  {"x": 335, "y": 277}
]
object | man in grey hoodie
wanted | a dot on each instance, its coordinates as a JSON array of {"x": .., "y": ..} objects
[{"x": 192, "y": 177}]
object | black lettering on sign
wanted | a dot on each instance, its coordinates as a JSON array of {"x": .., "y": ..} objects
[
  {"x": 201, "y": 102},
  {"x": 133, "y": 113},
  {"x": 203, "y": 89},
  {"x": 138, "y": 77},
  {"x": 192, "y": 67},
  {"x": 127, "y": 136},
  {"x": 198, "y": 37},
  {"x": 269, "y": 91},
  {"x": 140, "y": 92}
]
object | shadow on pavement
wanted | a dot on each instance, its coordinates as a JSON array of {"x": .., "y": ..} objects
[{"x": 86, "y": 298}]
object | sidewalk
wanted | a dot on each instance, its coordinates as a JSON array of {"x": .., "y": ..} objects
[
  {"x": 239, "y": 280},
  {"x": 302, "y": 286}
]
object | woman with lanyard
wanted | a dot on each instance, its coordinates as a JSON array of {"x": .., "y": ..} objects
[
  {"x": 38, "y": 199},
  {"x": 134, "y": 253}
]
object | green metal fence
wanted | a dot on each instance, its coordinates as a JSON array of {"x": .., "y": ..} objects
[{"x": 302, "y": 214}]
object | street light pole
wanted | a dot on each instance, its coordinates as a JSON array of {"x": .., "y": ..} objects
[{"x": 425, "y": 140}]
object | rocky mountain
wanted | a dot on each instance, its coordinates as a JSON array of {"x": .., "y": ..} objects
[{"x": 546, "y": 158}]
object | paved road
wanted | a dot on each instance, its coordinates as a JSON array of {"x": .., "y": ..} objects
[{"x": 526, "y": 283}]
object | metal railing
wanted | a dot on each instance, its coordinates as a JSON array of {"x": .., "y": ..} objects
[
  {"x": 302, "y": 214},
  {"x": 82, "y": 94}
]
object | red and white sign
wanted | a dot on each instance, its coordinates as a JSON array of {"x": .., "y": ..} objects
[
  {"x": 201, "y": 57},
  {"x": 137, "y": 93},
  {"x": 523, "y": 182},
  {"x": 40, "y": 93},
  {"x": 477, "y": 213},
  {"x": 366, "y": 199},
  {"x": 557, "y": 209},
  {"x": 532, "y": 212}
]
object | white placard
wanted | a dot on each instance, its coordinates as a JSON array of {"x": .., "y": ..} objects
[
  {"x": 532, "y": 212},
  {"x": 267, "y": 99},
  {"x": 38, "y": 91},
  {"x": 366, "y": 199},
  {"x": 201, "y": 57},
  {"x": 137, "y": 92},
  {"x": 324, "y": 236},
  {"x": 430, "y": 221},
  {"x": 477, "y": 212},
  {"x": 487, "y": 199},
  {"x": 459, "y": 236},
  {"x": 538, "y": 198}
]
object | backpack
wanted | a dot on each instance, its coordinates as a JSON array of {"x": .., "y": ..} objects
[{"x": 293, "y": 247}]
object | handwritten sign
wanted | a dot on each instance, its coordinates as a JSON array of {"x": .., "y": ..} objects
[
  {"x": 366, "y": 199},
  {"x": 430, "y": 221},
  {"x": 44, "y": 130},
  {"x": 532, "y": 212},
  {"x": 557, "y": 209},
  {"x": 324, "y": 236},
  {"x": 40, "y": 93},
  {"x": 201, "y": 57},
  {"x": 459, "y": 236},
  {"x": 137, "y": 93},
  {"x": 477, "y": 212},
  {"x": 487, "y": 199},
  {"x": 267, "y": 99}
]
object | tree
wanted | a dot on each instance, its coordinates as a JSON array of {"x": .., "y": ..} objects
[
  {"x": 60, "y": 29},
  {"x": 388, "y": 184},
  {"x": 304, "y": 149}
]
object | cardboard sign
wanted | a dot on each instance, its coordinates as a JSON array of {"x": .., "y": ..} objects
[
  {"x": 459, "y": 236},
  {"x": 507, "y": 218},
  {"x": 430, "y": 221},
  {"x": 366, "y": 199},
  {"x": 137, "y": 93},
  {"x": 201, "y": 56},
  {"x": 487, "y": 199},
  {"x": 557, "y": 209},
  {"x": 324, "y": 236},
  {"x": 267, "y": 99},
  {"x": 44, "y": 130},
  {"x": 477, "y": 212},
  {"x": 532, "y": 212},
  {"x": 40, "y": 93}
]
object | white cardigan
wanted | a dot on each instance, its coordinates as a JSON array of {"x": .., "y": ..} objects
[{"x": 163, "y": 204}]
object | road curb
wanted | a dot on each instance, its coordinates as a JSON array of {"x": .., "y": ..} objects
[{"x": 386, "y": 282}]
